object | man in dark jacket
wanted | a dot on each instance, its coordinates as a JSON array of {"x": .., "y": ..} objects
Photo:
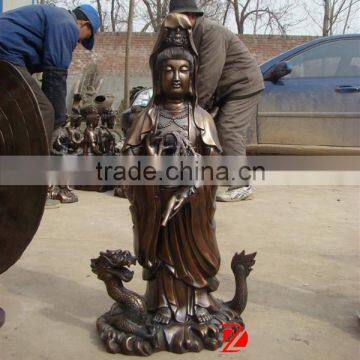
[
  {"x": 42, "y": 38},
  {"x": 230, "y": 79}
]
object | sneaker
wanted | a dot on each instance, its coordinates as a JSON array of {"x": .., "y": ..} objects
[
  {"x": 66, "y": 195},
  {"x": 239, "y": 194}
]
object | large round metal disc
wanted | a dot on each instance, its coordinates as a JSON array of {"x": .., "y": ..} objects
[{"x": 22, "y": 132}]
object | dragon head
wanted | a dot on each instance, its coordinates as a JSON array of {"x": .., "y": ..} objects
[
  {"x": 243, "y": 262},
  {"x": 114, "y": 264}
]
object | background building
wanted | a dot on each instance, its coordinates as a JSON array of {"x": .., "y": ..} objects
[{"x": 6, "y": 5}]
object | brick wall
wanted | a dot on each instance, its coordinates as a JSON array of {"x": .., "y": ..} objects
[
  {"x": 109, "y": 54},
  {"x": 109, "y": 51}
]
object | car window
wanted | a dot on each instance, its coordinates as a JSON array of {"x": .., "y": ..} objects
[
  {"x": 143, "y": 98},
  {"x": 339, "y": 58}
]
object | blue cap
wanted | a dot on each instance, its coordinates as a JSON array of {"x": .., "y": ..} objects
[{"x": 94, "y": 19}]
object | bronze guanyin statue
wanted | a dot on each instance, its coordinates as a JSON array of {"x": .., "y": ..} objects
[{"x": 174, "y": 228}]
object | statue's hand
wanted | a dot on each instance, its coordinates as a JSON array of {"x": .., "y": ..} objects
[
  {"x": 150, "y": 148},
  {"x": 175, "y": 203}
]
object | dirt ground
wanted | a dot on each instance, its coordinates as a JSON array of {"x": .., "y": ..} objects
[{"x": 303, "y": 293}]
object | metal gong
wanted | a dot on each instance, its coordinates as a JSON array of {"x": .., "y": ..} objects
[{"x": 22, "y": 132}]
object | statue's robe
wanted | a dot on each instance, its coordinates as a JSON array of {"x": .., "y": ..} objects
[{"x": 180, "y": 260}]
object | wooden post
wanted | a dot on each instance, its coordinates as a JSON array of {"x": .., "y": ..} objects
[{"x": 127, "y": 54}]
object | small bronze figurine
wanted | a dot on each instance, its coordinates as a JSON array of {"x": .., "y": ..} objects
[
  {"x": 174, "y": 226},
  {"x": 107, "y": 139},
  {"x": 67, "y": 139},
  {"x": 91, "y": 139}
]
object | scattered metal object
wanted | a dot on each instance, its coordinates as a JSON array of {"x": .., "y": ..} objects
[
  {"x": 174, "y": 228},
  {"x": 63, "y": 193}
]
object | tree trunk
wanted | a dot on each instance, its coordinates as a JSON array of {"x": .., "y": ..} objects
[
  {"x": 112, "y": 15},
  {"x": 127, "y": 54},
  {"x": 158, "y": 15},
  {"x": 226, "y": 12},
  {"x": 327, "y": 20},
  {"x": 348, "y": 17},
  {"x": 240, "y": 26},
  {"x": 99, "y": 8},
  {"x": 256, "y": 17}
]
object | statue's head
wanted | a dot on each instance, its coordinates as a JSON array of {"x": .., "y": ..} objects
[
  {"x": 108, "y": 117},
  {"x": 75, "y": 120},
  {"x": 91, "y": 115},
  {"x": 174, "y": 50},
  {"x": 174, "y": 74},
  {"x": 114, "y": 264}
]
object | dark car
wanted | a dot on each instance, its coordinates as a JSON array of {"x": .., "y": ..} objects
[{"x": 311, "y": 102}]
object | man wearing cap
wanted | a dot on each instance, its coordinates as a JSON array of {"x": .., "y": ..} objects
[
  {"x": 42, "y": 38},
  {"x": 229, "y": 79}
]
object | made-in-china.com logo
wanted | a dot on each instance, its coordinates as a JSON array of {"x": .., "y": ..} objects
[{"x": 234, "y": 337}]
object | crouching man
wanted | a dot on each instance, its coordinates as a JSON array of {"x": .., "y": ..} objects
[
  {"x": 41, "y": 39},
  {"x": 229, "y": 79}
]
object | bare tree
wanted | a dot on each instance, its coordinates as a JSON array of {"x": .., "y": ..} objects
[
  {"x": 346, "y": 24},
  {"x": 154, "y": 11},
  {"x": 256, "y": 21},
  {"x": 215, "y": 9},
  {"x": 334, "y": 14},
  {"x": 265, "y": 15},
  {"x": 118, "y": 15},
  {"x": 226, "y": 12},
  {"x": 154, "y": 14},
  {"x": 101, "y": 14},
  {"x": 127, "y": 52}
]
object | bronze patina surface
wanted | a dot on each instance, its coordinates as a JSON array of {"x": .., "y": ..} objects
[
  {"x": 22, "y": 132},
  {"x": 174, "y": 227}
]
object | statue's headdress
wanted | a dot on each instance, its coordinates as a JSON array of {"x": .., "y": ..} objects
[{"x": 175, "y": 38}]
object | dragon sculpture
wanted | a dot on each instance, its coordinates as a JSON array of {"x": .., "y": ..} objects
[{"x": 128, "y": 327}]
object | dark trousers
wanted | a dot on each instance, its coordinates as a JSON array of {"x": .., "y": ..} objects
[
  {"x": 46, "y": 109},
  {"x": 233, "y": 123}
]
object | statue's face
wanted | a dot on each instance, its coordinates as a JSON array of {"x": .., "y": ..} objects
[
  {"x": 111, "y": 122},
  {"x": 175, "y": 78},
  {"x": 93, "y": 118},
  {"x": 76, "y": 121}
]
